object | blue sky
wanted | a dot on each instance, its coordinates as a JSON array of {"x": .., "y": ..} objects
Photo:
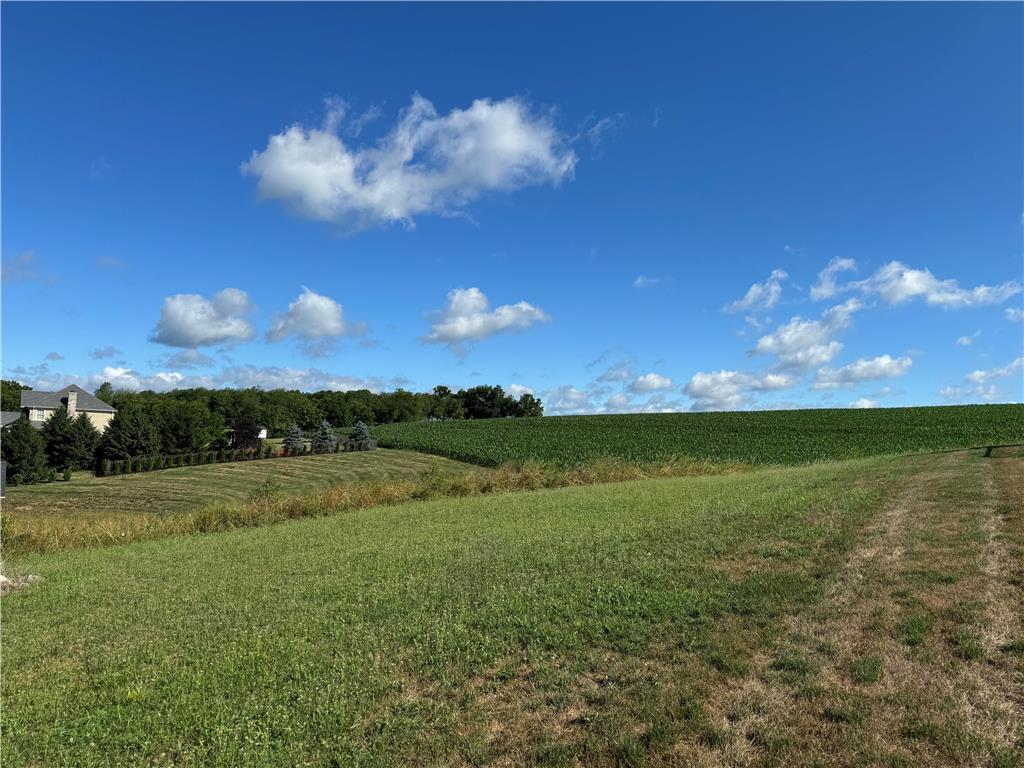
[{"x": 617, "y": 207}]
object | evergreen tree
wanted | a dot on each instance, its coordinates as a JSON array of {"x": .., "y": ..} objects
[
  {"x": 359, "y": 432},
  {"x": 62, "y": 440},
  {"x": 10, "y": 394},
  {"x": 294, "y": 440},
  {"x": 88, "y": 440},
  {"x": 323, "y": 440},
  {"x": 105, "y": 393},
  {"x": 23, "y": 449},
  {"x": 130, "y": 434},
  {"x": 247, "y": 434}
]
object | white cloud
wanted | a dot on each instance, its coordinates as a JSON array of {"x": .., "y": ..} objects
[
  {"x": 518, "y": 390},
  {"x": 760, "y": 296},
  {"x": 651, "y": 382},
  {"x": 804, "y": 344},
  {"x": 468, "y": 317},
  {"x": 981, "y": 384},
  {"x": 864, "y": 369},
  {"x": 897, "y": 283},
  {"x": 427, "y": 164},
  {"x": 621, "y": 371},
  {"x": 23, "y": 267},
  {"x": 189, "y": 320},
  {"x": 54, "y": 356},
  {"x": 1015, "y": 315},
  {"x": 304, "y": 379},
  {"x": 730, "y": 390},
  {"x": 966, "y": 341},
  {"x": 188, "y": 358},
  {"x": 315, "y": 319},
  {"x": 863, "y": 402},
  {"x": 567, "y": 400},
  {"x": 104, "y": 352},
  {"x": 646, "y": 281},
  {"x": 826, "y": 286}
]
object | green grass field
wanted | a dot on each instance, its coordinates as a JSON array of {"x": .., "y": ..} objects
[
  {"x": 857, "y": 613},
  {"x": 169, "y": 491},
  {"x": 767, "y": 437}
]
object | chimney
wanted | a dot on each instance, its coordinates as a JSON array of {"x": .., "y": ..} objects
[{"x": 72, "y": 403}]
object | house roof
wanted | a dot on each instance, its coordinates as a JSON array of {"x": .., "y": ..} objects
[
  {"x": 9, "y": 417},
  {"x": 30, "y": 398}
]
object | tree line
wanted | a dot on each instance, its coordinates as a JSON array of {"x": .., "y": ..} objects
[{"x": 187, "y": 421}]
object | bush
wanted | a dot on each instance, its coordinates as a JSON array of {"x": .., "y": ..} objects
[
  {"x": 67, "y": 473},
  {"x": 23, "y": 450},
  {"x": 105, "y": 467}
]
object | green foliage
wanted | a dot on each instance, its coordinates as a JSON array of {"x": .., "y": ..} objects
[
  {"x": 324, "y": 440},
  {"x": 10, "y": 394},
  {"x": 62, "y": 439},
  {"x": 359, "y": 432},
  {"x": 247, "y": 434},
  {"x": 105, "y": 393},
  {"x": 294, "y": 440},
  {"x": 763, "y": 437},
  {"x": 129, "y": 434},
  {"x": 23, "y": 449},
  {"x": 87, "y": 440},
  {"x": 67, "y": 474},
  {"x": 187, "y": 425}
]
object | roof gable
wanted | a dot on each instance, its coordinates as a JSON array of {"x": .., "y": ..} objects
[{"x": 86, "y": 400}]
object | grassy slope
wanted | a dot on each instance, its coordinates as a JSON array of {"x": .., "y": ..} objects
[
  {"x": 766, "y": 437},
  {"x": 605, "y": 624},
  {"x": 175, "y": 490}
]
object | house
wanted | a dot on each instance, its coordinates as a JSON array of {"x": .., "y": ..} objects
[{"x": 39, "y": 406}]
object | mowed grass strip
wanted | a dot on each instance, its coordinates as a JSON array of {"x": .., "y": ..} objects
[
  {"x": 582, "y": 624},
  {"x": 765, "y": 437},
  {"x": 175, "y": 490}
]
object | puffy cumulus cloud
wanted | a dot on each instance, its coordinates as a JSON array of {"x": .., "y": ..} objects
[
  {"x": 863, "y": 402},
  {"x": 189, "y": 358},
  {"x": 803, "y": 344},
  {"x": 468, "y": 318},
  {"x": 863, "y": 369},
  {"x": 730, "y": 390},
  {"x": 189, "y": 320},
  {"x": 1015, "y": 315},
  {"x": 316, "y": 320},
  {"x": 101, "y": 353},
  {"x": 827, "y": 286},
  {"x": 650, "y": 382},
  {"x": 518, "y": 390},
  {"x": 760, "y": 296},
  {"x": 161, "y": 381},
  {"x": 982, "y": 384},
  {"x": 427, "y": 164}
]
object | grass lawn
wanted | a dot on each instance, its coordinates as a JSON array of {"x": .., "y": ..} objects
[
  {"x": 866, "y": 612},
  {"x": 174, "y": 490}
]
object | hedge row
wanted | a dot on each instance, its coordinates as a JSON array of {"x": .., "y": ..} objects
[{"x": 153, "y": 463}]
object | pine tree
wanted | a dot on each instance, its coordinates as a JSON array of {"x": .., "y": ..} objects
[
  {"x": 23, "y": 449},
  {"x": 359, "y": 432},
  {"x": 294, "y": 440},
  {"x": 88, "y": 440},
  {"x": 63, "y": 447},
  {"x": 323, "y": 440},
  {"x": 129, "y": 434}
]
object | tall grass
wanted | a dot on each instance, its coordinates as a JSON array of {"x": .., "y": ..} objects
[{"x": 25, "y": 532}]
